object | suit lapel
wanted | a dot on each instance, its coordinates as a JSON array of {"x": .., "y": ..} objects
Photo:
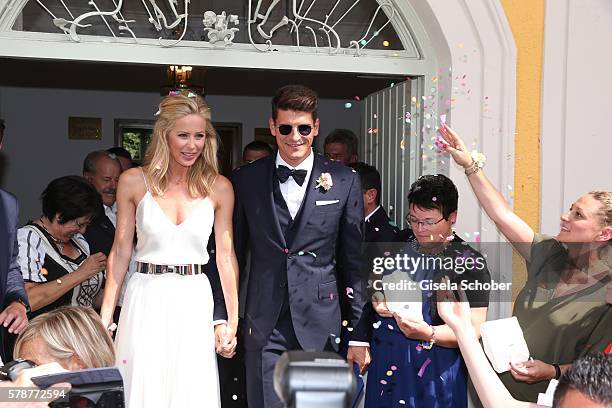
[
  {"x": 269, "y": 199},
  {"x": 311, "y": 195}
]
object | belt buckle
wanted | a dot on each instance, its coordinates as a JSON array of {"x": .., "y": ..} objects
[{"x": 170, "y": 269}]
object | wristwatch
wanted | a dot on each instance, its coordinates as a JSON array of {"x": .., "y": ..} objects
[{"x": 12, "y": 369}]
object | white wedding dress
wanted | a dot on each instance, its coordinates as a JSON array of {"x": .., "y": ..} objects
[{"x": 165, "y": 341}]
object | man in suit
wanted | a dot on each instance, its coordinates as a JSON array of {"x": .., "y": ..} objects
[
  {"x": 13, "y": 298},
  {"x": 378, "y": 226},
  {"x": 301, "y": 215},
  {"x": 341, "y": 145},
  {"x": 102, "y": 170}
]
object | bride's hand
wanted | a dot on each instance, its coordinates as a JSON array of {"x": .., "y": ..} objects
[
  {"x": 225, "y": 340},
  {"x": 456, "y": 147}
]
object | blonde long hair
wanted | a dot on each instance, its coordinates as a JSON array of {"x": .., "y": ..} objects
[
  {"x": 206, "y": 168},
  {"x": 71, "y": 331}
]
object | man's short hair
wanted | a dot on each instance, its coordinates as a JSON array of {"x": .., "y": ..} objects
[
  {"x": 120, "y": 152},
  {"x": 345, "y": 137},
  {"x": 89, "y": 164},
  {"x": 258, "y": 146},
  {"x": 296, "y": 98},
  {"x": 434, "y": 192},
  {"x": 590, "y": 375},
  {"x": 370, "y": 178}
]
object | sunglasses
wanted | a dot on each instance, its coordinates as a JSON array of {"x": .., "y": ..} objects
[{"x": 303, "y": 130}]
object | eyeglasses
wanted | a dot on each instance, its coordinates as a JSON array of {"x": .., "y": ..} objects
[
  {"x": 427, "y": 223},
  {"x": 303, "y": 130},
  {"x": 79, "y": 225}
]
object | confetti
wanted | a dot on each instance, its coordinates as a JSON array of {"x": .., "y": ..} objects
[
  {"x": 402, "y": 402},
  {"x": 348, "y": 105},
  {"x": 234, "y": 397},
  {"x": 338, "y": 340},
  {"x": 392, "y": 84},
  {"x": 375, "y": 130},
  {"x": 394, "y": 368},
  {"x": 370, "y": 131},
  {"x": 363, "y": 43},
  {"x": 377, "y": 324},
  {"x": 434, "y": 198},
  {"x": 403, "y": 144},
  {"x": 423, "y": 367},
  {"x": 509, "y": 187},
  {"x": 385, "y": 43},
  {"x": 349, "y": 293},
  {"x": 442, "y": 119},
  {"x": 434, "y": 78},
  {"x": 383, "y": 382},
  {"x": 389, "y": 373},
  {"x": 301, "y": 253},
  {"x": 345, "y": 323},
  {"x": 357, "y": 98},
  {"x": 375, "y": 116},
  {"x": 44, "y": 271},
  {"x": 390, "y": 327},
  {"x": 124, "y": 361}
]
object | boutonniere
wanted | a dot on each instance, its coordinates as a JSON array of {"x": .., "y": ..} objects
[{"x": 325, "y": 181}]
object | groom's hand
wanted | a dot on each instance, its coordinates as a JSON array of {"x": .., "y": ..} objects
[
  {"x": 359, "y": 355},
  {"x": 225, "y": 342}
]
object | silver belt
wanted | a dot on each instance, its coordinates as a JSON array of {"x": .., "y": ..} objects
[{"x": 154, "y": 269}]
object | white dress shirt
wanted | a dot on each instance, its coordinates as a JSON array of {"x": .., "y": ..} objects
[
  {"x": 292, "y": 192},
  {"x": 111, "y": 213},
  {"x": 367, "y": 218}
]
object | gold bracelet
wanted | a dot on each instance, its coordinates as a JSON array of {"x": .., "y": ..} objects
[{"x": 473, "y": 168}]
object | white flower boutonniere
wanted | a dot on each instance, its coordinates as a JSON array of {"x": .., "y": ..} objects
[{"x": 325, "y": 181}]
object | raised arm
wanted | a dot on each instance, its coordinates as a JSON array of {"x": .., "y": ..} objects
[
  {"x": 130, "y": 190},
  {"x": 489, "y": 387},
  {"x": 511, "y": 225},
  {"x": 225, "y": 255}
]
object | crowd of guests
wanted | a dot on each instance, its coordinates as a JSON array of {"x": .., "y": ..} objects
[{"x": 54, "y": 270}]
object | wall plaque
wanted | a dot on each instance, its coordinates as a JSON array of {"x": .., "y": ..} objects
[{"x": 84, "y": 128}]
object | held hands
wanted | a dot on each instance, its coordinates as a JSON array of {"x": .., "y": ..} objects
[
  {"x": 456, "y": 147},
  {"x": 532, "y": 371},
  {"x": 359, "y": 355},
  {"x": 14, "y": 317},
  {"x": 93, "y": 264},
  {"x": 225, "y": 340}
]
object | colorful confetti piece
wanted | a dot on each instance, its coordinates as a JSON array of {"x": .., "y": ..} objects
[
  {"x": 349, "y": 293},
  {"x": 385, "y": 43},
  {"x": 423, "y": 367},
  {"x": 348, "y": 105}
]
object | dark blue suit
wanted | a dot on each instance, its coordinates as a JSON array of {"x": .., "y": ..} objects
[
  {"x": 11, "y": 281},
  {"x": 300, "y": 268}
]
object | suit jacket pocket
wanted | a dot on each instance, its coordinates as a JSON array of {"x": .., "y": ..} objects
[{"x": 328, "y": 290}]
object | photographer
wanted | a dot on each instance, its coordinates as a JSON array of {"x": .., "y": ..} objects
[{"x": 66, "y": 338}]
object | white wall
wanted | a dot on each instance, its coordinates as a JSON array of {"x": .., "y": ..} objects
[
  {"x": 37, "y": 149},
  {"x": 576, "y": 105}
]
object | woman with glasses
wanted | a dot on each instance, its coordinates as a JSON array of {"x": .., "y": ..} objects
[
  {"x": 562, "y": 308},
  {"x": 415, "y": 359},
  {"x": 53, "y": 256}
]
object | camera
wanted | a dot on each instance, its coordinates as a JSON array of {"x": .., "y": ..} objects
[{"x": 91, "y": 388}]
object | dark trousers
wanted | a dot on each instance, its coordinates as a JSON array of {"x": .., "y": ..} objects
[
  {"x": 260, "y": 363},
  {"x": 232, "y": 379}
]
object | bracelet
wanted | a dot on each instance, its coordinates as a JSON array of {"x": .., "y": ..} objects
[
  {"x": 557, "y": 371},
  {"x": 472, "y": 169},
  {"x": 429, "y": 344}
]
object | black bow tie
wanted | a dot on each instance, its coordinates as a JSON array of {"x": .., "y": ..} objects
[{"x": 283, "y": 173}]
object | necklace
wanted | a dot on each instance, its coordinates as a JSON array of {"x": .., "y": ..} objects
[{"x": 58, "y": 242}]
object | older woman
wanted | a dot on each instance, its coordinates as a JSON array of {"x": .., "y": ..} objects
[
  {"x": 53, "y": 255},
  {"x": 562, "y": 308},
  {"x": 415, "y": 360}
]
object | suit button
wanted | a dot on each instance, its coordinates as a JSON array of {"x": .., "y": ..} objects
[{"x": 286, "y": 250}]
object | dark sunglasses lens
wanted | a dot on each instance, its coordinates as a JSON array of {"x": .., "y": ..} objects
[
  {"x": 285, "y": 129},
  {"x": 304, "y": 129}
]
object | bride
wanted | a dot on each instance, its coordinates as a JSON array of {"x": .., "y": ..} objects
[{"x": 166, "y": 342}]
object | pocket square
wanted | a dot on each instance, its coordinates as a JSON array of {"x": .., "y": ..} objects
[{"x": 326, "y": 202}]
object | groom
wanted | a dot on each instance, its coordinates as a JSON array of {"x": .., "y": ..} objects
[{"x": 301, "y": 217}]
